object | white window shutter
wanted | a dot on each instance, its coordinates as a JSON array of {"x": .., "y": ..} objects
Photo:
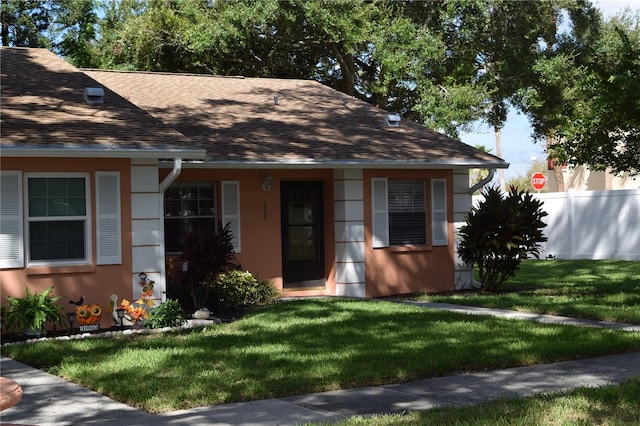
[
  {"x": 108, "y": 221},
  {"x": 11, "y": 223},
  {"x": 439, "y": 212},
  {"x": 380, "y": 213},
  {"x": 231, "y": 210}
]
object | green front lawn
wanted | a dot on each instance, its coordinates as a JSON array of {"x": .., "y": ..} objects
[
  {"x": 606, "y": 405},
  {"x": 309, "y": 346},
  {"x": 598, "y": 289}
]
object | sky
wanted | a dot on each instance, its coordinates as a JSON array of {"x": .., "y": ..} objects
[{"x": 518, "y": 147}]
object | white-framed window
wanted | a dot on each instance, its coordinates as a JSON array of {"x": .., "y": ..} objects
[
  {"x": 57, "y": 219},
  {"x": 407, "y": 212},
  {"x": 188, "y": 207},
  {"x": 400, "y": 212},
  {"x": 45, "y": 219}
]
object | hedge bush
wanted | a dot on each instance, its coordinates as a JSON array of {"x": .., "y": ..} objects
[
  {"x": 167, "y": 314},
  {"x": 235, "y": 290}
]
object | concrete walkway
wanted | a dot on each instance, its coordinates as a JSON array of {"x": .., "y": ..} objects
[
  {"x": 528, "y": 316},
  {"x": 49, "y": 400}
]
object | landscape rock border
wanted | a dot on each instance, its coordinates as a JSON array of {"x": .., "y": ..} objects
[{"x": 191, "y": 323}]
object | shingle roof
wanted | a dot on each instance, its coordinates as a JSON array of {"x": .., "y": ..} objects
[
  {"x": 43, "y": 111},
  {"x": 238, "y": 122}
]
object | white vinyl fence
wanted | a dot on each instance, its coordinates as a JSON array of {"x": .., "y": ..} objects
[{"x": 592, "y": 224}]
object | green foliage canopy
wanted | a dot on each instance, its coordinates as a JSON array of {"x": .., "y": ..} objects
[{"x": 584, "y": 93}]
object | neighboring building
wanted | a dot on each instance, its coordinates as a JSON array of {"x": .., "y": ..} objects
[
  {"x": 325, "y": 194},
  {"x": 580, "y": 178}
]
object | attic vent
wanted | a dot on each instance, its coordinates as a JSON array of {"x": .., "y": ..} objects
[
  {"x": 392, "y": 120},
  {"x": 94, "y": 95}
]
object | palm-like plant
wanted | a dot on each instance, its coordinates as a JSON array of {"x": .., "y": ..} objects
[
  {"x": 208, "y": 255},
  {"x": 501, "y": 232}
]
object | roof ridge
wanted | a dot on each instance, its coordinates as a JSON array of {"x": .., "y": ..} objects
[
  {"x": 187, "y": 74},
  {"x": 241, "y": 77}
]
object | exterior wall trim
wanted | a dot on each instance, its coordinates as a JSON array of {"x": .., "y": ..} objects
[
  {"x": 147, "y": 227},
  {"x": 349, "y": 232}
]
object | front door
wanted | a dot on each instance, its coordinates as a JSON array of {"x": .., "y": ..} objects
[{"x": 302, "y": 234}]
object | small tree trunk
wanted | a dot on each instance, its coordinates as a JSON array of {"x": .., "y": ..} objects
[
  {"x": 559, "y": 177},
  {"x": 4, "y": 29},
  {"x": 347, "y": 67},
  {"x": 557, "y": 168},
  {"x": 498, "y": 133}
]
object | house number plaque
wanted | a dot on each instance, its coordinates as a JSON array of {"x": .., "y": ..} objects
[{"x": 264, "y": 210}]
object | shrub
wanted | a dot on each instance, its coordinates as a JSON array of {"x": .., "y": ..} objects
[
  {"x": 208, "y": 254},
  {"x": 500, "y": 232},
  {"x": 234, "y": 290},
  {"x": 31, "y": 312},
  {"x": 265, "y": 292},
  {"x": 167, "y": 314}
]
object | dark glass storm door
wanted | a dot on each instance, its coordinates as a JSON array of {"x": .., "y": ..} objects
[{"x": 302, "y": 234}]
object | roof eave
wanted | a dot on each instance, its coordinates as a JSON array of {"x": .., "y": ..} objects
[
  {"x": 80, "y": 152},
  {"x": 346, "y": 164}
]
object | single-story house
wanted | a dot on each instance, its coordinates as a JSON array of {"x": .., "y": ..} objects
[{"x": 103, "y": 171}]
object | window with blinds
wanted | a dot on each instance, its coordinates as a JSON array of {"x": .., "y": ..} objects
[
  {"x": 400, "y": 209},
  {"x": 407, "y": 212}
]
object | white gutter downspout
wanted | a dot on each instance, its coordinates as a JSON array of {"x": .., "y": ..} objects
[
  {"x": 166, "y": 182},
  {"x": 177, "y": 169},
  {"x": 482, "y": 182}
]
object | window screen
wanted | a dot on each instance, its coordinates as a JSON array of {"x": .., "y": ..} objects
[{"x": 407, "y": 212}]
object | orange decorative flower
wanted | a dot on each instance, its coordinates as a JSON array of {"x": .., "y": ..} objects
[{"x": 138, "y": 310}]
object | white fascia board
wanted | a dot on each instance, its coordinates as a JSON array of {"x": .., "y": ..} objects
[
  {"x": 314, "y": 164},
  {"x": 78, "y": 152}
]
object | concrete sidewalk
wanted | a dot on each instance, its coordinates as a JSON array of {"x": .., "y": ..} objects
[
  {"x": 49, "y": 400},
  {"x": 525, "y": 316}
]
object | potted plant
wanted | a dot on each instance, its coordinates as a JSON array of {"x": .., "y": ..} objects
[{"x": 32, "y": 312}]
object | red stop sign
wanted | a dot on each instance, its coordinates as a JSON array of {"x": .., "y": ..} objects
[{"x": 539, "y": 181}]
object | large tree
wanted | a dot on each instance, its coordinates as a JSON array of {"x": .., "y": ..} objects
[
  {"x": 583, "y": 96},
  {"x": 548, "y": 96},
  {"x": 68, "y": 27},
  {"x": 25, "y": 22},
  {"x": 507, "y": 47},
  {"x": 603, "y": 130},
  {"x": 442, "y": 63},
  {"x": 75, "y": 31},
  {"x": 396, "y": 55}
]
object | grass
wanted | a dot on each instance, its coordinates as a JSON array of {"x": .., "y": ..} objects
[
  {"x": 309, "y": 346},
  {"x": 607, "y": 405},
  {"x": 602, "y": 289},
  {"x": 320, "y": 345}
]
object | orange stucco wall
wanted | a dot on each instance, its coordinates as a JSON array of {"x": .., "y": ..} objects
[
  {"x": 398, "y": 270},
  {"x": 260, "y": 228},
  {"x": 95, "y": 283},
  {"x": 388, "y": 271}
]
